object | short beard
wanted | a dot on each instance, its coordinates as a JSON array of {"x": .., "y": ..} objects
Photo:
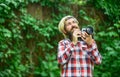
[{"x": 70, "y": 35}]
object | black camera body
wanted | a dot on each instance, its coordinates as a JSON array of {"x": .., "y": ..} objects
[{"x": 88, "y": 30}]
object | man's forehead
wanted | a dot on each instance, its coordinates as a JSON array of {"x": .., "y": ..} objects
[{"x": 69, "y": 18}]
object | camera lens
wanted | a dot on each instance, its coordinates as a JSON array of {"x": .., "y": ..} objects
[{"x": 89, "y": 30}]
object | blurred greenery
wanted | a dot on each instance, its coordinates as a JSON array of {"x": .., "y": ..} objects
[{"x": 28, "y": 46}]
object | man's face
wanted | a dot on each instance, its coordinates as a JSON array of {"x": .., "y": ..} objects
[{"x": 70, "y": 25}]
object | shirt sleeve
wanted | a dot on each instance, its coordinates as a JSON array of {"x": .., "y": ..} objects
[
  {"x": 94, "y": 53},
  {"x": 64, "y": 52}
]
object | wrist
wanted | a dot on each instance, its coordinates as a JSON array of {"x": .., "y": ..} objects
[{"x": 90, "y": 42}]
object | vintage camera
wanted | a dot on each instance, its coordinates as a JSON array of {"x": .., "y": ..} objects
[{"x": 88, "y": 30}]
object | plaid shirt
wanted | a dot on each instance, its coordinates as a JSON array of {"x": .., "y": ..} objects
[{"x": 77, "y": 60}]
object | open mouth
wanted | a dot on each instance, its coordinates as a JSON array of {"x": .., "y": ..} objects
[
  {"x": 78, "y": 34},
  {"x": 74, "y": 28}
]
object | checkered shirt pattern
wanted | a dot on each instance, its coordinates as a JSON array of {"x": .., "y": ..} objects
[{"x": 77, "y": 60}]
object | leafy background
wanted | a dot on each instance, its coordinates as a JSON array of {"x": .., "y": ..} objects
[{"x": 29, "y": 35}]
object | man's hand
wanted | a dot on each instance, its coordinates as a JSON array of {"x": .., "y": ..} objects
[
  {"x": 87, "y": 38},
  {"x": 76, "y": 34}
]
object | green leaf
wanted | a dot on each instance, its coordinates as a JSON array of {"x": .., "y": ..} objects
[
  {"x": 1, "y": 55},
  {"x": 117, "y": 25},
  {"x": 6, "y": 33},
  {"x": 112, "y": 33},
  {"x": 86, "y": 18},
  {"x": 102, "y": 33},
  {"x": 2, "y": 20},
  {"x": 22, "y": 67},
  {"x": 44, "y": 74}
]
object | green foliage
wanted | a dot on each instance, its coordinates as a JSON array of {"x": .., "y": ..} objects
[
  {"x": 21, "y": 36},
  {"x": 108, "y": 37},
  {"x": 28, "y": 46},
  {"x": 47, "y": 67},
  {"x": 110, "y": 8},
  {"x": 110, "y": 50}
]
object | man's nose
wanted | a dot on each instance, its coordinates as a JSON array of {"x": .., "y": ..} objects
[{"x": 74, "y": 26}]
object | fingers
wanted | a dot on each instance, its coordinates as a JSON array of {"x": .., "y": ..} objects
[
  {"x": 83, "y": 38},
  {"x": 77, "y": 33},
  {"x": 86, "y": 36}
]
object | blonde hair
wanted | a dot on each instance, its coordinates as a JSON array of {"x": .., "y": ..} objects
[{"x": 61, "y": 25}]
